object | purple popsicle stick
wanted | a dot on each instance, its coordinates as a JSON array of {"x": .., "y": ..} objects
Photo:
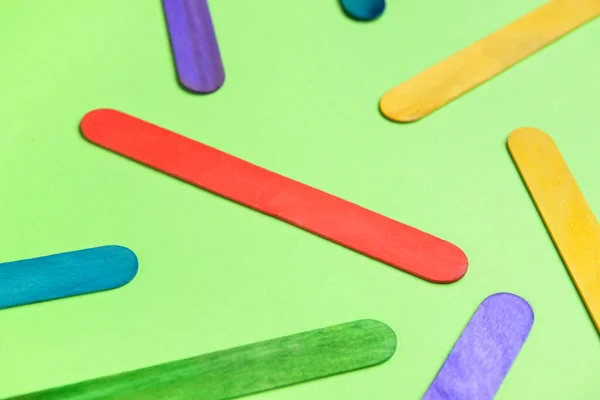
[
  {"x": 485, "y": 351},
  {"x": 195, "y": 48}
]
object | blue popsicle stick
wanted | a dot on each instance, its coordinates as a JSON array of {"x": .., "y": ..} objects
[
  {"x": 365, "y": 10},
  {"x": 66, "y": 274}
]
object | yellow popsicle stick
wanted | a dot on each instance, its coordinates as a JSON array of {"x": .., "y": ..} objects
[
  {"x": 456, "y": 75},
  {"x": 566, "y": 214}
]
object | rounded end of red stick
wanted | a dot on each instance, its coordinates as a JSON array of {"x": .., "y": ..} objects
[
  {"x": 462, "y": 266},
  {"x": 94, "y": 121},
  {"x": 452, "y": 267}
]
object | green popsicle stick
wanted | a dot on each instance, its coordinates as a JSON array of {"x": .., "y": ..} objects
[{"x": 244, "y": 370}]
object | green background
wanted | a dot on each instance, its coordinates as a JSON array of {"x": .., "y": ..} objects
[{"x": 300, "y": 98}]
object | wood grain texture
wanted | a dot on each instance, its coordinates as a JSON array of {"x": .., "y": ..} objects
[
  {"x": 195, "y": 49},
  {"x": 485, "y": 351},
  {"x": 565, "y": 212},
  {"x": 363, "y": 10},
  {"x": 335, "y": 219},
  {"x": 244, "y": 370},
  {"x": 66, "y": 274},
  {"x": 467, "y": 69}
]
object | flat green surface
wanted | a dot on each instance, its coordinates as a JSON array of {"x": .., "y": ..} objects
[
  {"x": 300, "y": 98},
  {"x": 252, "y": 368}
]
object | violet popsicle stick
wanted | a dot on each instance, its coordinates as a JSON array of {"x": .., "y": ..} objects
[
  {"x": 485, "y": 351},
  {"x": 195, "y": 48}
]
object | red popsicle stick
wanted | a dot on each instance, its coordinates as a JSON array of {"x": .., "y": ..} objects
[{"x": 330, "y": 217}]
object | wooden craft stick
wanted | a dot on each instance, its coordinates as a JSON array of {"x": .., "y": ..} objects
[
  {"x": 244, "y": 370},
  {"x": 66, "y": 274},
  {"x": 195, "y": 49},
  {"x": 485, "y": 351},
  {"x": 363, "y": 10},
  {"x": 465, "y": 70},
  {"x": 338, "y": 220},
  {"x": 565, "y": 212}
]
